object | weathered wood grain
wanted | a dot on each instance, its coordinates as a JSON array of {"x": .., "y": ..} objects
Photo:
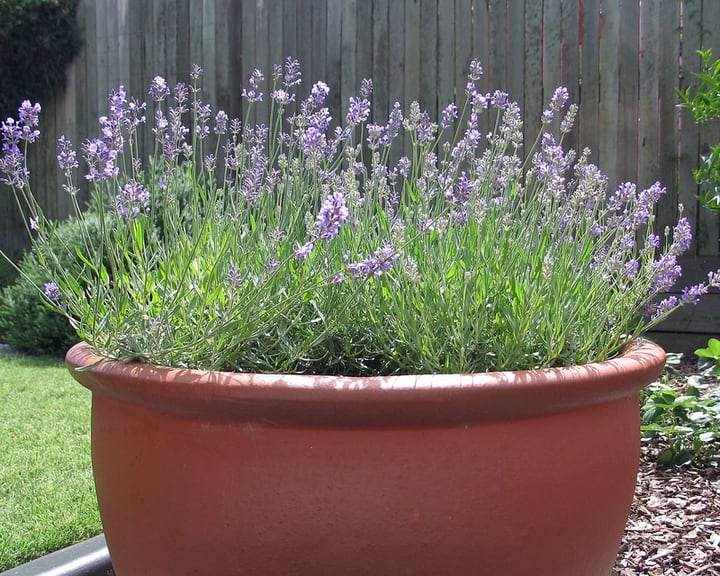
[{"x": 622, "y": 61}]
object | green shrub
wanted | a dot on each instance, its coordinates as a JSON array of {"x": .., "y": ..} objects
[
  {"x": 704, "y": 103},
  {"x": 685, "y": 416},
  {"x": 27, "y": 321},
  {"x": 38, "y": 39}
]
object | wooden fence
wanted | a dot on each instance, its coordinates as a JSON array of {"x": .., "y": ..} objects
[{"x": 620, "y": 59}]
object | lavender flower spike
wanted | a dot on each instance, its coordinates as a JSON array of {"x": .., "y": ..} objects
[
  {"x": 333, "y": 213},
  {"x": 52, "y": 292},
  {"x": 159, "y": 89}
]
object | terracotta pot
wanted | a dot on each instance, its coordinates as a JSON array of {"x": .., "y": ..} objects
[{"x": 499, "y": 474}]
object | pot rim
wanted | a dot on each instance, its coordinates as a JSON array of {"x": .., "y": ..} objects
[{"x": 319, "y": 400}]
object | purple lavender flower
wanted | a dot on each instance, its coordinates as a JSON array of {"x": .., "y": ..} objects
[
  {"x": 293, "y": 75},
  {"x": 460, "y": 193},
  {"x": 52, "y": 293},
  {"x": 29, "y": 117},
  {"x": 333, "y": 213},
  {"x": 311, "y": 139},
  {"x": 476, "y": 70},
  {"x": 304, "y": 251},
  {"x": 425, "y": 129},
  {"x": 12, "y": 161},
  {"x": 660, "y": 309},
  {"x": 132, "y": 201},
  {"x": 319, "y": 92},
  {"x": 373, "y": 266},
  {"x": 359, "y": 110},
  {"x": 376, "y": 136},
  {"x": 366, "y": 87},
  {"x": 203, "y": 112},
  {"x": 666, "y": 272},
  {"x": 282, "y": 97},
  {"x": 196, "y": 72},
  {"x": 692, "y": 294},
  {"x": 682, "y": 237},
  {"x": 66, "y": 158},
  {"x": 272, "y": 265},
  {"x": 558, "y": 100},
  {"x": 714, "y": 279},
  {"x": 180, "y": 93},
  {"x": 459, "y": 217},
  {"x": 100, "y": 159},
  {"x": 631, "y": 268},
  {"x": 159, "y": 89},
  {"x": 403, "y": 166},
  {"x": 234, "y": 280},
  {"x": 499, "y": 99},
  {"x": 29, "y": 114},
  {"x": 221, "y": 120},
  {"x": 34, "y": 224},
  {"x": 395, "y": 121},
  {"x": 254, "y": 94},
  {"x": 449, "y": 115},
  {"x": 569, "y": 120}
]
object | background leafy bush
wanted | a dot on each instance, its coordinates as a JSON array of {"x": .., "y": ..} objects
[
  {"x": 38, "y": 39},
  {"x": 704, "y": 103},
  {"x": 27, "y": 322}
]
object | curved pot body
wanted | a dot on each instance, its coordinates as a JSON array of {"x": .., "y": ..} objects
[{"x": 498, "y": 474}]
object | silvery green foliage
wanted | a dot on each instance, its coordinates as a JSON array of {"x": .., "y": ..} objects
[{"x": 300, "y": 246}]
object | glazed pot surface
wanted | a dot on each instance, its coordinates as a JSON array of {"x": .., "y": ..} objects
[{"x": 498, "y": 474}]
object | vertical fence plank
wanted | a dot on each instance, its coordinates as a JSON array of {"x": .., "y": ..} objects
[
  {"x": 533, "y": 56},
  {"x": 481, "y": 49},
  {"x": 319, "y": 41},
  {"x": 428, "y": 56},
  {"x": 570, "y": 60},
  {"x": 290, "y": 36},
  {"x": 222, "y": 56},
  {"x": 481, "y": 40},
  {"x": 608, "y": 112},
  {"x": 396, "y": 58},
  {"x": 364, "y": 42},
  {"x": 262, "y": 58},
  {"x": 648, "y": 170},
  {"x": 334, "y": 56},
  {"x": 463, "y": 46},
  {"x": 689, "y": 132},
  {"x": 412, "y": 50},
  {"x": 381, "y": 61},
  {"x": 668, "y": 112},
  {"x": 170, "y": 31},
  {"x": 516, "y": 13},
  {"x": 627, "y": 152},
  {"x": 552, "y": 53},
  {"x": 306, "y": 39},
  {"x": 420, "y": 49},
  {"x": 182, "y": 39},
  {"x": 348, "y": 64},
  {"x": 497, "y": 43}
]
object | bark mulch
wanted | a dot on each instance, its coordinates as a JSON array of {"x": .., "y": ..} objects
[{"x": 674, "y": 525}]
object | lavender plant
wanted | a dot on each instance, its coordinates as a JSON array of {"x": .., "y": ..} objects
[{"x": 298, "y": 246}]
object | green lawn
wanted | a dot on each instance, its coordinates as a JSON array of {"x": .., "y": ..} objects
[{"x": 47, "y": 496}]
